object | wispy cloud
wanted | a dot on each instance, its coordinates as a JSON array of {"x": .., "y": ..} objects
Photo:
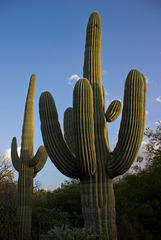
[
  {"x": 104, "y": 72},
  {"x": 158, "y": 99},
  {"x": 147, "y": 112},
  {"x": 147, "y": 80},
  {"x": 73, "y": 79},
  {"x": 106, "y": 93}
]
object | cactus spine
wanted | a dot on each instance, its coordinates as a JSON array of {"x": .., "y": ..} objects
[
  {"x": 92, "y": 160},
  {"x": 27, "y": 165}
]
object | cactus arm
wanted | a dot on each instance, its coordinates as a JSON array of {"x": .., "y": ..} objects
[
  {"x": 84, "y": 127},
  {"x": 132, "y": 125},
  {"x": 113, "y": 110},
  {"x": 14, "y": 155},
  {"x": 54, "y": 142},
  {"x": 42, "y": 160},
  {"x": 144, "y": 105},
  {"x": 41, "y": 155},
  {"x": 69, "y": 129},
  {"x": 28, "y": 125}
]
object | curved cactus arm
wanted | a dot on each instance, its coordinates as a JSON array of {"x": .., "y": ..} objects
[
  {"x": 39, "y": 156},
  {"x": 144, "y": 106},
  {"x": 132, "y": 125},
  {"x": 84, "y": 127},
  {"x": 68, "y": 128},
  {"x": 113, "y": 110},
  {"x": 14, "y": 155},
  {"x": 42, "y": 159},
  {"x": 54, "y": 142}
]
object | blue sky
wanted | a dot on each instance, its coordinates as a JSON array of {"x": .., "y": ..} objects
[{"x": 48, "y": 38}]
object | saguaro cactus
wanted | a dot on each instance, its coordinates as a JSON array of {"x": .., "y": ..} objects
[
  {"x": 27, "y": 165},
  {"x": 86, "y": 128}
]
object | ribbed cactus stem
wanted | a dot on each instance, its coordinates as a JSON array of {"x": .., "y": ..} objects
[
  {"x": 27, "y": 165},
  {"x": 68, "y": 128},
  {"x": 93, "y": 161},
  {"x": 92, "y": 56},
  {"x": 55, "y": 144},
  {"x": 28, "y": 124},
  {"x": 84, "y": 127},
  {"x": 132, "y": 125},
  {"x": 113, "y": 110}
]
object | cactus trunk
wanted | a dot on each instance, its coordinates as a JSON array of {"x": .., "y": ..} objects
[
  {"x": 97, "y": 196},
  {"x": 98, "y": 206},
  {"x": 25, "y": 183}
]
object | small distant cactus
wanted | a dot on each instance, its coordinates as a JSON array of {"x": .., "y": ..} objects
[
  {"x": 27, "y": 165},
  {"x": 84, "y": 151}
]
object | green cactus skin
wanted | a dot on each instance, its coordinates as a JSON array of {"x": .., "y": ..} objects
[
  {"x": 27, "y": 165},
  {"x": 68, "y": 128},
  {"x": 92, "y": 160},
  {"x": 113, "y": 110}
]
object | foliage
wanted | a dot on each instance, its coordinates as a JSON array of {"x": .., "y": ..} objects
[
  {"x": 138, "y": 196},
  {"x": 153, "y": 147},
  {"x": 44, "y": 219},
  {"x": 65, "y": 199},
  {"x": 8, "y": 210},
  {"x": 66, "y": 233},
  {"x": 6, "y": 171}
]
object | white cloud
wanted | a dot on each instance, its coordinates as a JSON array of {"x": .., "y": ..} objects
[
  {"x": 147, "y": 113},
  {"x": 73, "y": 79},
  {"x": 144, "y": 143},
  {"x": 7, "y": 153},
  {"x": 158, "y": 99},
  {"x": 157, "y": 123}
]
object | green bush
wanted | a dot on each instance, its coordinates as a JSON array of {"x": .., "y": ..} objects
[{"x": 44, "y": 219}]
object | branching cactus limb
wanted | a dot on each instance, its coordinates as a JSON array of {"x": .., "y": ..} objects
[
  {"x": 54, "y": 142},
  {"x": 68, "y": 128},
  {"x": 27, "y": 165},
  {"x": 84, "y": 127},
  {"x": 132, "y": 125},
  {"x": 113, "y": 110},
  {"x": 92, "y": 160}
]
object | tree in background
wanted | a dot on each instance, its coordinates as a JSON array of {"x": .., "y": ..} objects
[
  {"x": 8, "y": 201},
  {"x": 139, "y": 195},
  {"x": 6, "y": 171},
  {"x": 153, "y": 146}
]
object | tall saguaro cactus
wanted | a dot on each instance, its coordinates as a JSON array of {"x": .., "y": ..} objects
[
  {"x": 86, "y": 133},
  {"x": 27, "y": 165}
]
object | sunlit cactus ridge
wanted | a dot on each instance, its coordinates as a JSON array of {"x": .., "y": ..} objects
[
  {"x": 84, "y": 151},
  {"x": 27, "y": 164}
]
